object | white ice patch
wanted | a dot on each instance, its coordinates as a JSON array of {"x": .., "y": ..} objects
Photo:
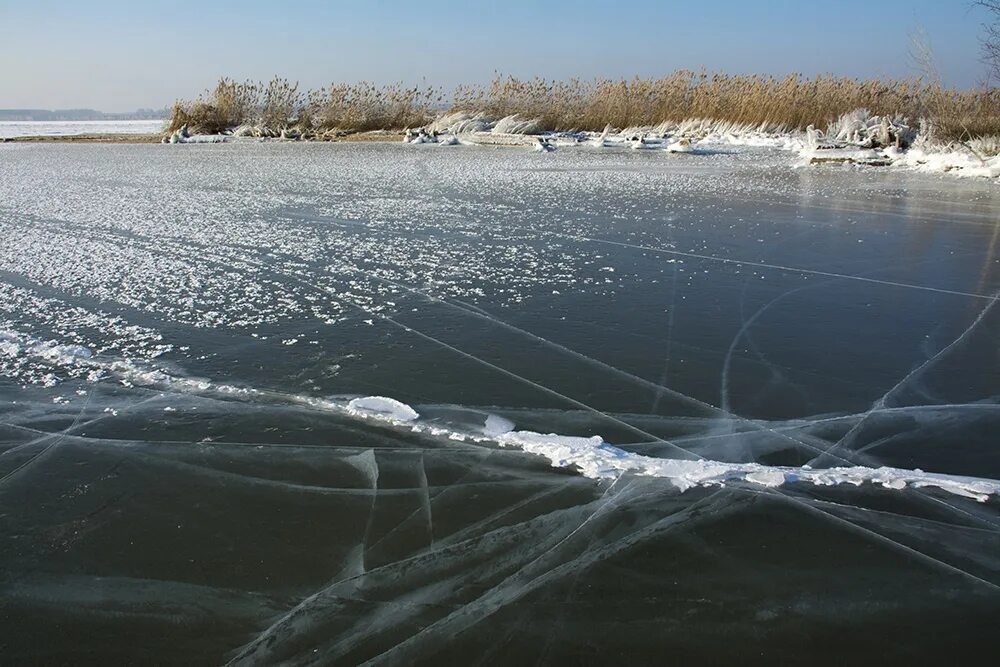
[
  {"x": 597, "y": 459},
  {"x": 496, "y": 426},
  {"x": 385, "y": 407},
  {"x": 60, "y": 354},
  {"x": 680, "y": 146},
  {"x": 48, "y": 363}
]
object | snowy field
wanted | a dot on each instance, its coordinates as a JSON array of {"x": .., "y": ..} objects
[
  {"x": 406, "y": 404},
  {"x": 10, "y": 128}
]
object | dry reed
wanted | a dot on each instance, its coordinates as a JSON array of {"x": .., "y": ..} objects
[
  {"x": 791, "y": 102},
  {"x": 279, "y": 105}
]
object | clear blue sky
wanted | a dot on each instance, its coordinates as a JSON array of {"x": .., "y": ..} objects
[{"x": 118, "y": 55}]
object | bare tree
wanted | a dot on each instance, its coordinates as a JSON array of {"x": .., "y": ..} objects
[
  {"x": 922, "y": 56},
  {"x": 991, "y": 38}
]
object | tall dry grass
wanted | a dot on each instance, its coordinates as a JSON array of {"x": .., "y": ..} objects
[
  {"x": 279, "y": 105},
  {"x": 364, "y": 106},
  {"x": 227, "y": 105},
  {"x": 791, "y": 102}
]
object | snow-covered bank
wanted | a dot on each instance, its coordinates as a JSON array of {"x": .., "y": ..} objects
[
  {"x": 182, "y": 136},
  {"x": 959, "y": 162},
  {"x": 857, "y": 138}
]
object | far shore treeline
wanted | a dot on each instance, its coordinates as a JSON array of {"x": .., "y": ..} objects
[{"x": 789, "y": 103}]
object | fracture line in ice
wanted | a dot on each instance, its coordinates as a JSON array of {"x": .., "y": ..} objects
[
  {"x": 659, "y": 388},
  {"x": 919, "y": 555},
  {"x": 56, "y": 439},
  {"x": 670, "y": 339},
  {"x": 880, "y": 403},
  {"x": 736, "y": 339},
  {"x": 778, "y": 267},
  {"x": 592, "y": 456},
  {"x": 548, "y": 567}
]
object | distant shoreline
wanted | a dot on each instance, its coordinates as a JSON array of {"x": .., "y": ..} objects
[
  {"x": 85, "y": 139},
  {"x": 375, "y": 136}
]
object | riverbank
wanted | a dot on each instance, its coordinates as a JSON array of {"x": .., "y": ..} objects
[
  {"x": 856, "y": 140},
  {"x": 374, "y": 136},
  {"x": 85, "y": 139}
]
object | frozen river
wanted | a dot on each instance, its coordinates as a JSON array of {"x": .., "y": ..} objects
[
  {"x": 17, "y": 128},
  {"x": 636, "y": 406}
]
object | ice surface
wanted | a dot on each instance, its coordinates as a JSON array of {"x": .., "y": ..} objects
[
  {"x": 64, "y": 128},
  {"x": 597, "y": 402}
]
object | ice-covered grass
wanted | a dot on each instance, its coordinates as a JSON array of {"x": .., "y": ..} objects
[
  {"x": 985, "y": 147},
  {"x": 858, "y": 137},
  {"x": 460, "y": 122}
]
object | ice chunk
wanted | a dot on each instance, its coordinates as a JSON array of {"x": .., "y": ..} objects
[
  {"x": 497, "y": 426},
  {"x": 767, "y": 477},
  {"x": 385, "y": 407}
]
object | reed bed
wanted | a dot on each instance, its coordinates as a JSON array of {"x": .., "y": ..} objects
[
  {"x": 279, "y": 105},
  {"x": 790, "y": 103}
]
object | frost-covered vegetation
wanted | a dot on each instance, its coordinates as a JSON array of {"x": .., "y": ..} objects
[{"x": 790, "y": 103}]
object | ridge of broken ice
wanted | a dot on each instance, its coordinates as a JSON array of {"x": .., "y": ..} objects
[
  {"x": 592, "y": 456},
  {"x": 597, "y": 459}
]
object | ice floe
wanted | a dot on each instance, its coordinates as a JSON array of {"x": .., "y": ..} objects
[{"x": 382, "y": 406}]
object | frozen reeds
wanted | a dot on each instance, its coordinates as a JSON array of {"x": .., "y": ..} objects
[{"x": 514, "y": 105}]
